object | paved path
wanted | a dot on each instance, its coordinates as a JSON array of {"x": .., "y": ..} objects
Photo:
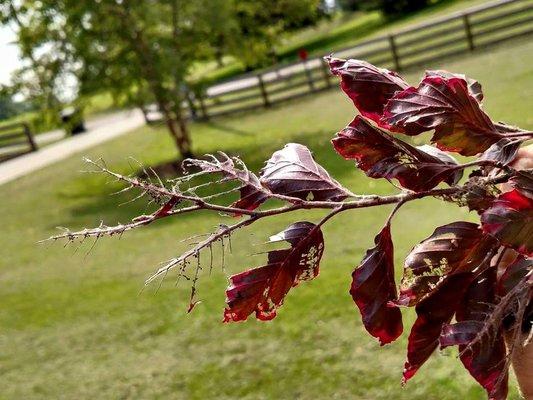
[{"x": 99, "y": 131}]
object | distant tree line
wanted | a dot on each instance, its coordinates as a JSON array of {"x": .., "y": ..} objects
[{"x": 388, "y": 7}]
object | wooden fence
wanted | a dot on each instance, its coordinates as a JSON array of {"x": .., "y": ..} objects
[
  {"x": 474, "y": 28},
  {"x": 15, "y": 139}
]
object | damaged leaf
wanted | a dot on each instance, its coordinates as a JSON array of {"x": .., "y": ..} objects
[{"x": 263, "y": 289}]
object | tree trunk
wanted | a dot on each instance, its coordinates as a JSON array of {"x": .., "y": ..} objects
[
  {"x": 176, "y": 125},
  {"x": 143, "y": 109},
  {"x": 179, "y": 131},
  {"x": 185, "y": 137}
]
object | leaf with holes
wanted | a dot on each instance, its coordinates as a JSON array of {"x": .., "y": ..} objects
[
  {"x": 433, "y": 312},
  {"x": 478, "y": 198},
  {"x": 446, "y": 105},
  {"x": 382, "y": 156},
  {"x": 263, "y": 289},
  {"x": 369, "y": 87},
  {"x": 373, "y": 287},
  {"x": 452, "y": 249},
  {"x": 292, "y": 171},
  {"x": 482, "y": 351},
  {"x": 510, "y": 220}
]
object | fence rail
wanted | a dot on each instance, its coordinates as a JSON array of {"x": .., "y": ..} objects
[
  {"x": 471, "y": 29},
  {"x": 15, "y": 139}
]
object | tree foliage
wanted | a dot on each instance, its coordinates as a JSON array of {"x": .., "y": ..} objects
[
  {"x": 142, "y": 51},
  {"x": 462, "y": 292}
]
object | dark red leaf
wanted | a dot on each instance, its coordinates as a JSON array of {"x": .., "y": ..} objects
[
  {"x": 292, "y": 171},
  {"x": 446, "y": 105},
  {"x": 474, "y": 87},
  {"x": 373, "y": 287},
  {"x": 523, "y": 182},
  {"x": 369, "y": 87},
  {"x": 452, "y": 249},
  {"x": 485, "y": 357},
  {"x": 433, "y": 312},
  {"x": 510, "y": 220},
  {"x": 382, "y": 156},
  {"x": 263, "y": 289},
  {"x": 514, "y": 273},
  {"x": 459, "y": 333}
]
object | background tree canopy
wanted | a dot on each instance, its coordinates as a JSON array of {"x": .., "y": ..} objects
[{"x": 142, "y": 51}]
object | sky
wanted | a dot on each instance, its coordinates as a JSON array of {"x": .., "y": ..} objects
[{"x": 9, "y": 54}]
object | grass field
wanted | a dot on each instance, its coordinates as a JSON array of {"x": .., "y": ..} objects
[{"x": 72, "y": 326}]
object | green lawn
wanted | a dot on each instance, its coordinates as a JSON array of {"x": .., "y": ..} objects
[{"x": 72, "y": 326}]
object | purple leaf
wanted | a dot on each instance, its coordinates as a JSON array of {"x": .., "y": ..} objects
[
  {"x": 474, "y": 87},
  {"x": 446, "y": 105},
  {"x": 373, "y": 287},
  {"x": 382, "y": 156},
  {"x": 485, "y": 357},
  {"x": 263, "y": 289},
  {"x": 452, "y": 249},
  {"x": 514, "y": 273},
  {"x": 369, "y": 87},
  {"x": 503, "y": 151},
  {"x": 292, "y": 171},
  {"x": 433, "y": 312},
  {"x": 510, "y": 220}
]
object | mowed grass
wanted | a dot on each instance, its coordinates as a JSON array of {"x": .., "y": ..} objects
[{"x": 73, "y": 325}]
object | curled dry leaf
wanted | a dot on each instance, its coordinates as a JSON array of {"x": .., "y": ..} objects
[
  {"x": 503, "y": 151},
  {"x": 263, "y": 289},
  {"x": 292, "y": 171},
  {"x": 382, "y": 156},
  {"x": 373, "y": 287}
]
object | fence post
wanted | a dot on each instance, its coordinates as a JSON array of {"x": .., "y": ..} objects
[
  {"x": 190, "y": 103},
  {"x": 200, "y": 97},
  {"x": 468, "y": 32},
  {"x": 394, "y": 52},
  {"x": 28, "y": 134},
  {"x": 309, "y": 76},
  {"x": 262, "y": 88},
  {"x": 325, "y": 71}
]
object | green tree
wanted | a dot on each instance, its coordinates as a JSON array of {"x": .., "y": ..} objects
[
  {"x": 143, "y": 50},
  {"x": 255, "y": 27},
  {"x": 44, "y": 54},
  {"x": 139, "y": 50},
  {"x": 388, "y": 7}
]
